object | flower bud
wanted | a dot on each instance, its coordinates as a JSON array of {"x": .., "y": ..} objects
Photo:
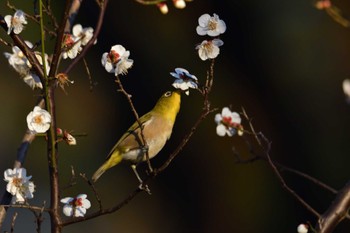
[
  {"x": 163, "y": 7},
  {"x": 180, "y": 4}
]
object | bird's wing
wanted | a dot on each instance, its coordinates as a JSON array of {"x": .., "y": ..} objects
[{"x": 131, "y": 138}]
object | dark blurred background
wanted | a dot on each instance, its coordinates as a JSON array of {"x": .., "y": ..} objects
[{"x": 283, "y": 61}]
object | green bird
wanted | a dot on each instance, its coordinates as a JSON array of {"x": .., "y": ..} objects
[{"x": 157, "y": 127}]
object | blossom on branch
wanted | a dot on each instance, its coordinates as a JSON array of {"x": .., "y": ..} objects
[
  {"x": 18, "y": 184},
  {"x": 20, "y": 63},
  {"x": 210, "y": 25},
  {"x": 228, "y": 123},
  {"x": 83, "y": 34},
  {"x": 117, "y": 60},
  {"x": 38, "y": 120},
  {"x": 75, "y": 206},
  {"x": 15, "y": 23},
  {"x": 73, "y": 43},
  {"x": 209, "y": 49},
  {"x": 70, "y": 46},
  {"x": 184, "y": 80}
]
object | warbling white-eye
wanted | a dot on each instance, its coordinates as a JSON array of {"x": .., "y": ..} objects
[{"x": 157, "y": 127}]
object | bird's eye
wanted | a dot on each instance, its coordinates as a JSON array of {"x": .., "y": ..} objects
[{"x": 167, "y": 94}]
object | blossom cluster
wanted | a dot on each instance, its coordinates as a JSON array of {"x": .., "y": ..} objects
[
  {"x": 212, "y": 26},
  {"x": 71, "y": 46},
  {"x": 20, "y": 63},
  {"x": 17, "y": 60}
]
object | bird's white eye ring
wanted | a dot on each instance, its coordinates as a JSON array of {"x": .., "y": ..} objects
[{"x": 167, "y": 94}]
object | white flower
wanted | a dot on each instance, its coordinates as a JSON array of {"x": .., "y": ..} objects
[
  {"x": 40, "y": 59},
  {"x": 228, "y": 123},
  {"x": 15, "y": 23},
  {"x": 21, "y": 64},
  {"x": 184, "y": 80},
  {"x": 82, "y": 34},
  {"x": 76, "y": 206},
  {"x": 213, "y": 26},
  {"x": 38, "y": 120},
  {"x": 117, "y": 60},
  {"x": 209, "y": 49},
  {"x": 33, "y": 80},
  {"x": 303, "y": 228},
  {"x": 18, "y": 60},
  {"x": 19, "y": 185},
  {"x": 70, "y": 46}
]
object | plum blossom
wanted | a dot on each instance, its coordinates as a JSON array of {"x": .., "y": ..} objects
[
  {"x": 75, "y": 206},
  {"x": 210, "y": 25},
  {"x": 228, "y": 123},
  {"x": 38, "y": 120},
  {"x": 303, "y": 228},
  {"x": 20, "y": 63},
  {"x": 209, "y": 49},
  {"x": 33, "y": 80},
  {"x": 83, "y": 34},
  {"x": 15, "y": 23},
  {"x": 70, "y": 46},
  {"x": 184, "y": 80},
  {"x": 73, "y": 43},
  {"x": 117, "y": 60},
  {"x": 18, "y": 60},
  {"x": 18, "y": 184}
]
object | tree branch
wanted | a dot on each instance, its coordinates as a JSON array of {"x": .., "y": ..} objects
[{"x": 337, "y": 212}]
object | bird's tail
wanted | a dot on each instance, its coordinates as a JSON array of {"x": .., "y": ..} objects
[
  {"x": 98, "y": 173},
  {"x": 113, "y": 160}
]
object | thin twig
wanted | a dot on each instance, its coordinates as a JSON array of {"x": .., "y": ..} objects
[
  {"x": 39, "y": 218},
  {"x": 28, "y": 207},
  {"x": 72, "y": 180},
  {"x": 150, "y": 2},
  {"x": 278, "y": 174},
  {"x": 14, "y": 217},
  {"x": 6, "y": 43},
  {"x": 89, "y": 74},
  {"x": 91, "y": 184}
]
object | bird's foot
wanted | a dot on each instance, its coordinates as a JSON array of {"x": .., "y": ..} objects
[{"x": 144, "y": 149}]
